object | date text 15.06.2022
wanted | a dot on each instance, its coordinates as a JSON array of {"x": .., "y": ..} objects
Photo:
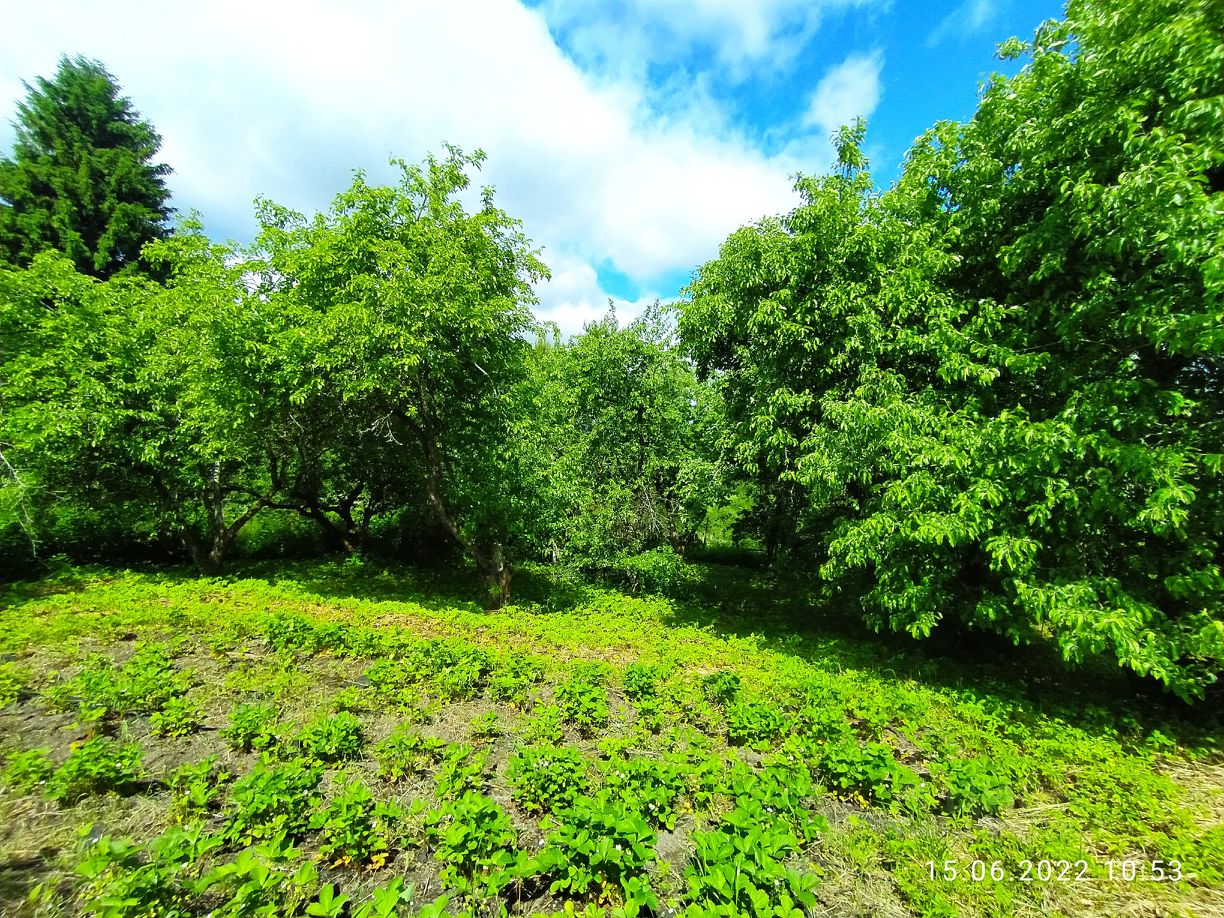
[{"x": 1026, "y": 871}]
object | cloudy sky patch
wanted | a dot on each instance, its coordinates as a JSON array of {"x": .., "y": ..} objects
[{"x": 630, "y": 137}]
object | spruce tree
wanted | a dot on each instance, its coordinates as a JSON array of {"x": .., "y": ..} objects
[{"x": 82, "y": 178}]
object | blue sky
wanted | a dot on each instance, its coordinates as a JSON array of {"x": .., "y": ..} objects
[{"x": 630, "y": 137}]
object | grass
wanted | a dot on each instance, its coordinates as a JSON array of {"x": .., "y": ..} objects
[{"x": 342, "y": 732}]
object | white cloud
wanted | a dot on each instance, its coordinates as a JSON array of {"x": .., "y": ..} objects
[
  {"x": 966, "y": 19},
  {"x": 260, "y": 99},
  {"x": 847, "y": 91}
]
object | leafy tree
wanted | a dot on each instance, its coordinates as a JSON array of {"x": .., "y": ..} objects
[
  {"x": 629, "y": 438},
  {"x": 407, "y": 315},
  {"x": 998, "y": 383},
  {"x": 82, "y": 178}
]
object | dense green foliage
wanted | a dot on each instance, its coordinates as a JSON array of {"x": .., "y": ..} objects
[
  {"x": 994, "y": 390},
  {"x": 82, "y": 178},
  {"x": 988, "y": 397}
]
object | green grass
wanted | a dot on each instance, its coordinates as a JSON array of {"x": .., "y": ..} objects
[{"x": 751, "y": 752}]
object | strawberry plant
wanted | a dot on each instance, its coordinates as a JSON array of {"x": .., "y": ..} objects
[
  {"x": 96, "y": 766},
  {"x": 332, "y": 738},
  {"x": 196, "y": 788},
  {"x": 28, "y": 770},
  {"x": 461, "y": 770},
  {"x": 978, "y": 788},
  {"x": 872, "y": 773},
  {"x": 648, "y": 786},
  {"x": 471, "y": 834},
  {"x": 407, "y": 754},
  {"x": 355, "y": 829},
  {"x": 177, "y": 717},
  {"x": 546, "y": 778},
  {"x": 583, "y": 704},
  {"x": 513, "y": 678},
  {"x": 253, "y": 727},
  {"x": 599, "y": 850},
  {"x": 273, "y": 801}
]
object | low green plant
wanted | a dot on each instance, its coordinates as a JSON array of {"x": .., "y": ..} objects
[
  {"x": 512, "y": 679},
  {"x": 870, "y": 772},
  {"x": 196, "y": 788},
  {"x": 253, "y": 727},
  {"x": 273, "y": 801},
  {"x": 471, "y": 834},
  {"x": 650, "y": 787},
  {"x": 641, "y": 681},
  {"x": 102, "y": 692},
  {"x": 385, "y": 901},
  {"x": 290, "y": 634},
  {"x": 754, "y": 723},
  {"x": 355, "y": 829},
  {"x": 722, "y": 686},
  {"x": 178, "y": 717},
  {"x": 547, "y": 778},
  {"x": 28, "y": 770},
  {"x": 261, "y": 881},
  {"x": 407, "y": 754},
  {"x": 740, "y": 867},
  {"x": 14, "y": 682},
  {"x": 978, "y": 788},
  {"x": 544, "y": 726},
  {"x": 599, "y": 850},
  {"x": 120, "y": 878},
  {"x": 96, "y": 766},
  {"x": 332, "y": 738},
  {"x": 486, "y": 726},
  {"x": 583, "y": 704},
  {"x": 462, "y": 769}
]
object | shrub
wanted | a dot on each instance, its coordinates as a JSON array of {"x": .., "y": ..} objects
[{"x": 547, "y": 778}]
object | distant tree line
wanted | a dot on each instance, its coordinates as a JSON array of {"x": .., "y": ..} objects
[{"x": 989, "y": 394}]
